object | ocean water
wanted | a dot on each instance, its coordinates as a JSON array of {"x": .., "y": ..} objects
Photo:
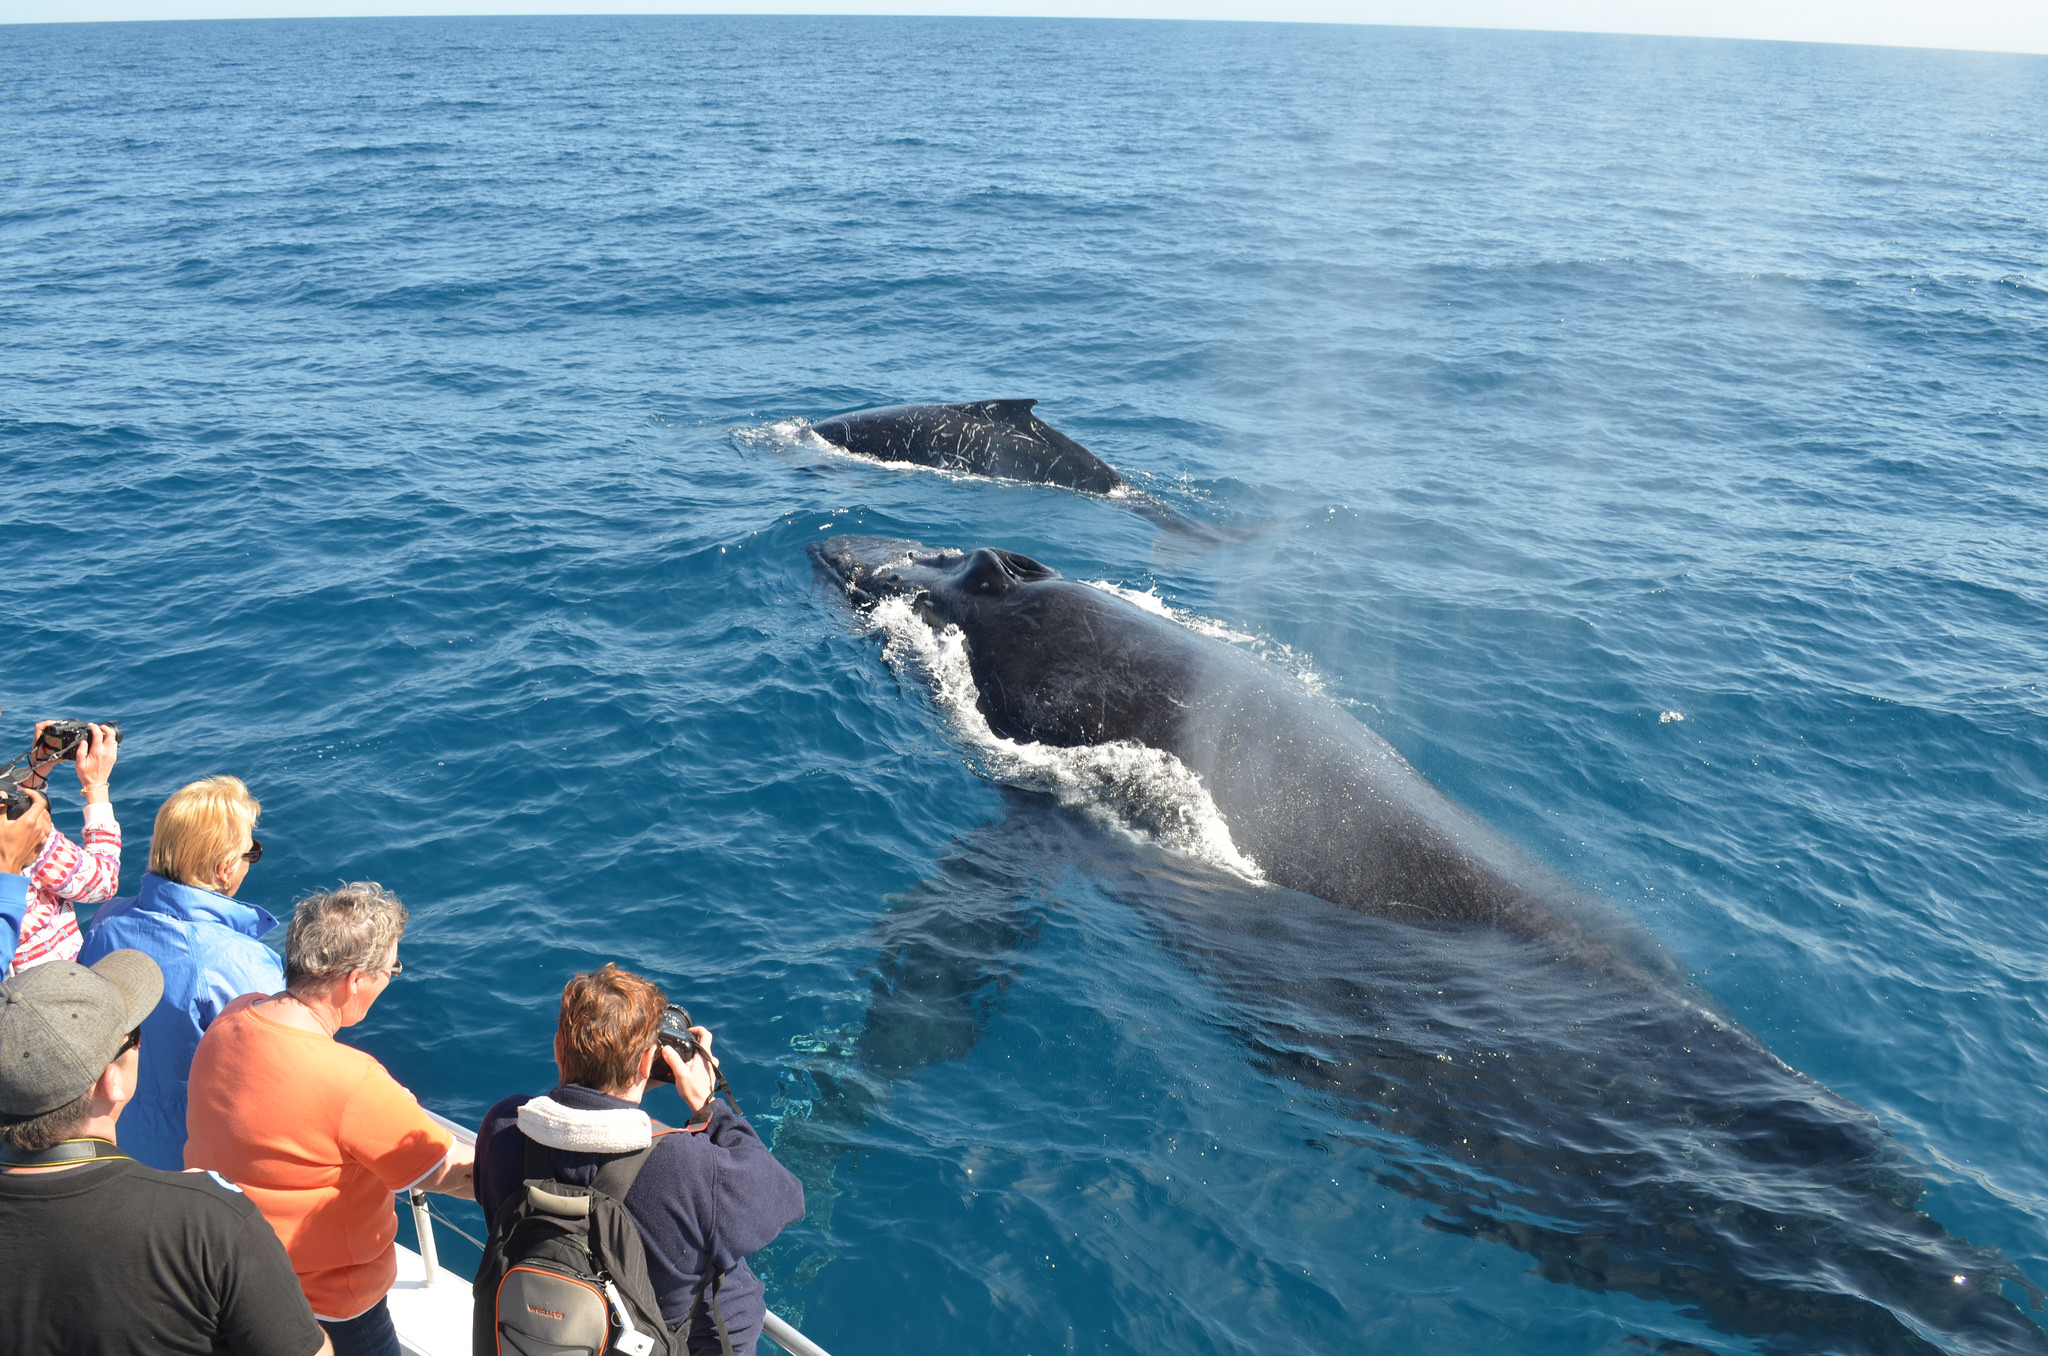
[{"x": 1649, "y": 438}]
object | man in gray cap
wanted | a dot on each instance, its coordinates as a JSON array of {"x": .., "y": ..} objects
[{"x": 97, "y": 1252}]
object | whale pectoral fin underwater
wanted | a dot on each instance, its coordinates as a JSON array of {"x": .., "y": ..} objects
[{"x": 944, "y": 953}]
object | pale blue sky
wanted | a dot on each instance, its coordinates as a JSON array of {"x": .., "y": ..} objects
[{"x": 1990, "y": 25}]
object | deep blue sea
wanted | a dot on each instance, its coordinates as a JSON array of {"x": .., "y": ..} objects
[{"x": 1648, "y": 437}]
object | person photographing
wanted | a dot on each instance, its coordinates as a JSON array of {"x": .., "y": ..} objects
[
  {"x": 703, "y": 1197},
  {"x": 63, "y": 874}
]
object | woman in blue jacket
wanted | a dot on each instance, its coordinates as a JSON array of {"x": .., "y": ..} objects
[{"x": 186, "y": 919}]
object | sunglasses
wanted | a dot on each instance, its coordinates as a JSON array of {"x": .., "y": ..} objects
[
  {"x": 134, "y": 1041},
  {"x": 255, "y": 852}
]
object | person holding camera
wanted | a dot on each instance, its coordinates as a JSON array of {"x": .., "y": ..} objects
[
  {"x": 100, "y": 1253},
  {"x": 705, "y": 1198},
  {"x": 186, "y": 918},
  {"x": 65, "y": 874},
  {"x": 318, "y": 1133}
]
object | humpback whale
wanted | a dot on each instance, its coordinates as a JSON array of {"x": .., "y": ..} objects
[
  {"x": 1525, "y": 1060},
  {"x": 988, "y": 437},
  {"x": 1318, "y": 801}
]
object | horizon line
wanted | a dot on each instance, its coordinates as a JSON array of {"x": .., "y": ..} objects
[{"x": 373, "y": 10}]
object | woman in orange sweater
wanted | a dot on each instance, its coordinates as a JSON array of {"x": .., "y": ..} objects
[{"x": 316, "y": 1132}]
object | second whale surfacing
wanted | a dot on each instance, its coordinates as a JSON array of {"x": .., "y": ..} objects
[
  {"x": 986, "y": 437},
  {"x": 1591, "y": 1108}
]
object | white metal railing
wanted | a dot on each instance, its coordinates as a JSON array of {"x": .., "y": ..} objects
[
  {"x": 788, "y": 1338},
  {"x": 773, "y": 1325},
  {"x": 422, "y": 1216}
]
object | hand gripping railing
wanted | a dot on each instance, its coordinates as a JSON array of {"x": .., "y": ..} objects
[{"x": 773, "y": 1325}]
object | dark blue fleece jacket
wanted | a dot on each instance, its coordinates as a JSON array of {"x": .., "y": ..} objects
[{"x": 713, "y": 1193}]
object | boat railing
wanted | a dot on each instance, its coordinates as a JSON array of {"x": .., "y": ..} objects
[{"x": 773, "y": 1326}]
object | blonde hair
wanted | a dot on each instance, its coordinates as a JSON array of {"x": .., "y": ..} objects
[{"x": 199, "y": 827}]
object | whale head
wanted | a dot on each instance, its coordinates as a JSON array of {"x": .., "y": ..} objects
[{"x": 943, "y": 586}]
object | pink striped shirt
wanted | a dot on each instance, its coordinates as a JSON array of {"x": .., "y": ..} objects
[{"x": 65, "y": 874}]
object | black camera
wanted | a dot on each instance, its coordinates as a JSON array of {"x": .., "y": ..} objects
[
  {"x": 675, "y": 1033},
  {"x": 19, "y": 801},
  {"x": 61, "y": 738}
]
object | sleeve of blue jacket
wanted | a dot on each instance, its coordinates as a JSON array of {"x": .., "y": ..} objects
[{"x": 13, "y": 904}]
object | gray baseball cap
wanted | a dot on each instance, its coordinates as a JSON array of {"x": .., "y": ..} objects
[{"x": 61, "y": 1025}]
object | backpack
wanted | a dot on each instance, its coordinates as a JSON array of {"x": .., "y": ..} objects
[{"x": 566, "y": 1272}]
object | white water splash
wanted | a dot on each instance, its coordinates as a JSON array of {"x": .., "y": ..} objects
[
  {"x": 1127, "y": 783},
  {"x": 782, "y": 435},
  {"x": 1273, "y": 652},
  {"x": 795, "y": 434}
]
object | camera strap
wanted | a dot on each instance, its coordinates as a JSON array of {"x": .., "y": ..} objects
[
  {"x": 713, "y": 1278},
  {"x": 64, "y": 1151}
]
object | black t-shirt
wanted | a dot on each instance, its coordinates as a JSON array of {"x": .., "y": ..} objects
[{"x": 115, "y": 1257}]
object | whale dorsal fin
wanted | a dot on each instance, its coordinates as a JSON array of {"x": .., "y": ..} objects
[{"x": 1015, "y": 413}]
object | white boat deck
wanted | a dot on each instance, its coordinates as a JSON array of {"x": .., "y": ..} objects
[{"x": 432, "y": 1318}]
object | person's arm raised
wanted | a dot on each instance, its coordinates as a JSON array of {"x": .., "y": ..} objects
[
  {"x": 695, "y": 1079},
  {"x": 95, "y": 764},
  {"x": 40, "y": 760}
]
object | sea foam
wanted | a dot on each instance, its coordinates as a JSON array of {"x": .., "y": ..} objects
[{"x": 1123, "y": 783}]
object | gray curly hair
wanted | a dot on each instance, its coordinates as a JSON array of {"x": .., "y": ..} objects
[{"x": 342, "y": 930}]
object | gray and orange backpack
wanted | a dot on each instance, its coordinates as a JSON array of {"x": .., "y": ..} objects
[{"x": 566, "y": 1272}]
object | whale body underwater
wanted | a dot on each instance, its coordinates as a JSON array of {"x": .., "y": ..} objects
[
  {"x": 1601, "y": 1115},
  {"x": 986, "y": 437}
]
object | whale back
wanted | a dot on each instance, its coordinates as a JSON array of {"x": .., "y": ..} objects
[
  {"x": 1130, "y": 681},
  {"x": 983, "y": 437},
  {"x": 1316, "y": 798},
  {"x": 1318, "y": 801}
]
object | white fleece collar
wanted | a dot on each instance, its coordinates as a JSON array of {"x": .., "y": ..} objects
[{"x": 615, "y": 1130}]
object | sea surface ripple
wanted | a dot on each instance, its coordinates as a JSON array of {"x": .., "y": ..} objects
[{"x": 1648, "y": 437}]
